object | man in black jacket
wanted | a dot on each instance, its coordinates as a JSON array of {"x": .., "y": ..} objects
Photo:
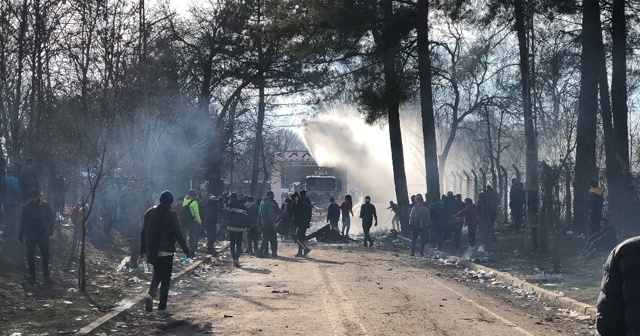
[
  {"x": 619, "y": 301},
  {"x": 368, "y": 214},
  {"x": 333, "y": 214},
  {"x": 238, "y": 223},
  {"x": 439, "y": 219},
  {"x": 160, "y": 232},
  {"x": 36, "y": 225},
  {"x": 303, "y": 211}
]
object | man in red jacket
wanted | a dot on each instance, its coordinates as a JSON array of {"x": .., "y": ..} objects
[{"x": 470, "y": 215}]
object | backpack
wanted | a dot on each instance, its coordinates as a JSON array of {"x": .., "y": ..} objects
[{"x": 186, "y": 217}]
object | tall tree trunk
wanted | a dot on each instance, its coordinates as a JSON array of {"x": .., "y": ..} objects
[
  {"x": 624, "y": 191},
  {"x": 426, "y": 101},
  {"x": 586, "y": 168},
  {"x": 531, "y": 182},
  {"x": 392, "y": 99},
  {"x": 14, "y": 151},
  {"x": 259, "y": 141}
]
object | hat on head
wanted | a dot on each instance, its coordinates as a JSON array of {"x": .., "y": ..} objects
[
  {"x": 192, "y": 193},
  {"x": 166, "y": 197}
]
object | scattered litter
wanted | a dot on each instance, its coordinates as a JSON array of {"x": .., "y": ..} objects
[
  {"x": 122, "y": 264},
  {"x": 72, "y": 290},
  {"x": 172, "y": 293},
  {"x": 16, "y": 334},
  {"x": 66, "y": 303},
  {"x": 575, "y": 288},
  {"x": 185, "y": 260},
  {"x": 29, "y": 294},
  {"x": 389, "y": 269},
  {"x": 203, "y": 277},
  {"x": 46, "y": 305},
  {"x": 569, "y": 232},
  {"x": 497, "y": 283},
  {"x": 278, "y": 291},
  {"x": 227, "y": 316},
  {"x": 550, "y": 285},
  {"x": 481, "y": 248}
]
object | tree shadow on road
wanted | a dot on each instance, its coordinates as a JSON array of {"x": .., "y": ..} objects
[
  {"x": 182, "y": 327},
  {"x": 256, "y": 270},
  {"x": 330, "y": 262}
]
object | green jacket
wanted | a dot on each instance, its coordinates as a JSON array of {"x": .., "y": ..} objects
[{"x": 195, "y": 209}]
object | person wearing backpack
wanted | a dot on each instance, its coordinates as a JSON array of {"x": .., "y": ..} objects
[
  {"x": 238, "y": 224},
  {"x": 190, "y": 220}
]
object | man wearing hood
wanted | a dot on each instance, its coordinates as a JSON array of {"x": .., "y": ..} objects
[
  {"x": 36, "y": 225},
  {"x": 158, "y": 238},
  {"x": 368, "y": 214},
  {"x": 596, "y": 202}
]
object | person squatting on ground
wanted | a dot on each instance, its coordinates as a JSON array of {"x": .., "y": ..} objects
[
  {"x": 11, "y": 204},
  {"x": 302, "y": 222},
  {"x": 606, "y": 238},
  {"x": 253, "y": 236},
  {"x": 36, "y": 226},
  {"x": 333, "y": 214},
  {"x": 596, "y": 202},
  {"x": 238, "y": 223},
  {"x": 470, "y": 215},
  {"x": 190, "y": 219},
  {"x": 347, "y": 211},
  {"x": 210, "y": 223},
  {"x": 395, "y": 221},
  {"x": 619, "y": 300},
  {"x": 368, "y": 214},
  {"x": 269, "y": 217},
  {"x": 160, "y": 232},
  {"x": 419, "y": 222},
  {"x": 456, "y": 224}
]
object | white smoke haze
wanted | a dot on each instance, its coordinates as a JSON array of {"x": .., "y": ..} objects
[{"x": 340, "y": 138}]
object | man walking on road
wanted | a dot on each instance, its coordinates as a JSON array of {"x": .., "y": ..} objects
[
  {"x": 238, "y": 224},
  {"x": 619, "y": 301},
  {"x": 158, "y": 238},
  {"x": 302, "y": 220},
  {"x": 347, "y": 211},
  {"x": 36, "y": 225},
  {"x": 269, "y": 216},
  {"x": 439, "y": 218},
  {"x": 419, "y": 221},
  {"x": 368, "y": 214}
]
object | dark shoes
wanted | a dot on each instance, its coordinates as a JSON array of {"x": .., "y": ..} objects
[
  {"x": 236, "y": 263},
  {"x": 306, "y": 252},
  {"x": 148, "y": 303}
]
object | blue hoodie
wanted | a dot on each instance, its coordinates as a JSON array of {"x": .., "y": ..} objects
[{"x": 13, "y": 189}]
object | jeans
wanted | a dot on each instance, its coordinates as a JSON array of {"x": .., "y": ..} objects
[
  {"x": 300, "y": 237},
  {"x": 472, "y": 235},
  {"x": 43, "y": 243},
  {"x": 162, "y": 268},
  {"x": 236, "y": 244},
  {"x": 193, "y": 235},
  {"x": 334, "y": 224},
  {"x": 423, "y": 234},
  {"x": 346, "y": 224},
  {"x": 436, "y": 234},
  {"x": 269, "y": 236},
  {"x": 211, "y": 236},
  {"x": 366, "y": 227},
  {"x": 254, "y": 238}
]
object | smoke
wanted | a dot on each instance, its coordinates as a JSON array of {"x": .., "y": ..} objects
[{"x": 341, "y": 138}]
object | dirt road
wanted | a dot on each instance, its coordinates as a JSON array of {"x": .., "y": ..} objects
[{"x": 350, "y": 290}]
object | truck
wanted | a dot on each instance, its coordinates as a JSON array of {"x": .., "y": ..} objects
[{"x": 320, "y": 188}]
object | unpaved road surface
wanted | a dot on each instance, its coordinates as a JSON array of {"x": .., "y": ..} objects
[{"x": 343, "y": 290}]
